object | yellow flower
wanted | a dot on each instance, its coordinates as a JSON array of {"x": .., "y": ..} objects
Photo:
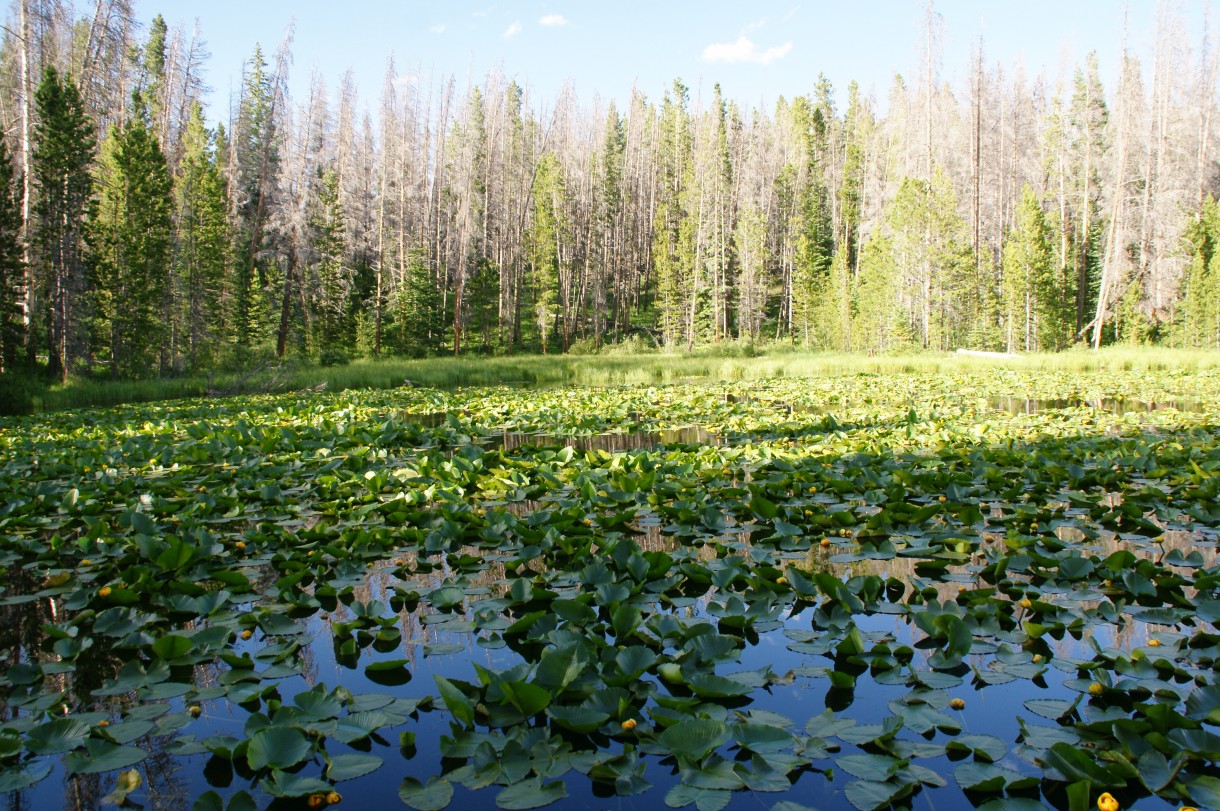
[
  {"x": 194, "y": 710},
  {"x": 781, "y": 581},
  {"x": 825, "y": 542},
  {"x": 1027, "y": 603},
  {"x": 1106, "y": 802},
  {"x": 316, "y": 801},
  {"x": 958, "y": 704},
  {"x": 1156, "y": 643},
  {"x": 629, "y": 724},
  {"x": 334, "y": 798},
  {"x": 247, "y": 633},
  {"x": 1096, "y": 689},
  {"x": 104, "y": 591}
]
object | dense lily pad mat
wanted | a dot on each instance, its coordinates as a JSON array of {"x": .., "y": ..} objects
[{"x": 820, "y": 592}]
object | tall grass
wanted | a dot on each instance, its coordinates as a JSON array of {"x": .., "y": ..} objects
[{"x": 726, "y": 363}]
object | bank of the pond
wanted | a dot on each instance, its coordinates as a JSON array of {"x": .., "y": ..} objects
[{"x": 721, "y": 364}]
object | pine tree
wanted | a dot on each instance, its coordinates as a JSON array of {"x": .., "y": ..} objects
[
  {"x": 12, "y": 266},
  {"x": 201, "y": 255},
  {"x": 674, "y": 227},
  {"x": 1039, "y": 307},
  {"x": 416, "y": 323},
  {"x": 152, "y": 72},
  {"x": 60, "y": 162},
  {"x": 256, "y": 141},
  {"x": 129, "y": 234},
  {"x": 1200, "y": 310},
  {"x": 750, "y": 248},
  {"x": 931, "y": 262},
  {"x": 329, "y": 270},
  {"x": 546, "y": 232}
]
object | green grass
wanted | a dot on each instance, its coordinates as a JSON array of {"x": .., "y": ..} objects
[{"x": 725, "y": 363}]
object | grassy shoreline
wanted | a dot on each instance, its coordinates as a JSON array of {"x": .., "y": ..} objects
[{"x": 728, "y": 363}]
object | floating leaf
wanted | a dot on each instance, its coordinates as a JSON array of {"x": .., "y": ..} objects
[
  {"x": 432, "y": 796},
  {"x": 277, "y": 747},
  {"x": 103, "y": 756},
  {"x": 531, "y": 793},
  {"x": 694, "y": 737},
  {"x": 349, "y": 766}
]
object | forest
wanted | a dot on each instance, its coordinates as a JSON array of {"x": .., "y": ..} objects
[{"x": 441, "y": 215}]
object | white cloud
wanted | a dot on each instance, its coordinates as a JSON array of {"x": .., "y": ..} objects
[
  {"x": 744, "y": 50},
  {"x": 512, "y": 31},
  {"x": 552, "y": 20},
  {"x": 438, "y": 29}
]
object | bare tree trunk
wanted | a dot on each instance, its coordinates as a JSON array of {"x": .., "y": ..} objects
[
  {"x": 27, "y": 301},
  {"x": 1109, "y": 270}
]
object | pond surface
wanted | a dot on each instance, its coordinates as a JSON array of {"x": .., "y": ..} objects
[
  {"x": 490, "y": 602},
  {"x": 1026, "y": 405}
]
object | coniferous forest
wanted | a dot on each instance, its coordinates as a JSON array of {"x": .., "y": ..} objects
[{"x": 1008, "y": 212}]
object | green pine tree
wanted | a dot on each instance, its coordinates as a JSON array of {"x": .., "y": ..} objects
[
  {"x": 201, "y": 255},
  {"x": 674, "y": 227},
  {"x": 1039, "y": 306},
  {"x": 546, "y": 233},
  {"x": 63, "y": 152},
  {"x": 329, "y": 270},
  {"x": 129, "y": 233},
  {"x": 256, "y": 139},
  {"x": 12, "y": 328}
]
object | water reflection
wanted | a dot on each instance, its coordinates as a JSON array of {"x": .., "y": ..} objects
[
  {"x": 609, "y": 442},
  {"x": 1024, "y": 405}
]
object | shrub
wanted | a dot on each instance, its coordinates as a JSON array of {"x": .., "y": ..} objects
[
  {"x": 17, "y": 394},
  {"x": 333, "y": 356}
]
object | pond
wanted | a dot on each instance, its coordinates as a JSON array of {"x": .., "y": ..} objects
[{"x": 823, "y": 594}]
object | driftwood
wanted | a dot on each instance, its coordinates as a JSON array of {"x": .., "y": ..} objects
[{"x": 245, "y": 386}]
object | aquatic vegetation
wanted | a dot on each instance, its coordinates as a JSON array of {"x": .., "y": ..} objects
[{"x": 828, "y": 590}]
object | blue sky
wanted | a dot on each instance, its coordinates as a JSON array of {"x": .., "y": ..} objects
[{"x": 757, "y": 51}]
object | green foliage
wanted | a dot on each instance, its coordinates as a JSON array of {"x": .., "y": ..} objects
[
  {"x": 674, "y": 229},
  {"x": 60, "y": 164},
  {"x": 815, "y": 314},
  {"x": 202, "y": 244},
  {"x": 330, "y": 276},
  {"x": 416, "y": 322},
  {"x": 256, "y": 149},
  {"x": 918, "y": 283},
  {"x": 12, "y": 267},
  {"x": 548, "y": 231},
  {"x": 1039, "y": 295},
  {"x": 1199, "y": 318},
  {"x": 129, "y": 236}
]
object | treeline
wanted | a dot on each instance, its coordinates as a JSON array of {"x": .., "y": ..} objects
[{"x": 1013, "y": 213}]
